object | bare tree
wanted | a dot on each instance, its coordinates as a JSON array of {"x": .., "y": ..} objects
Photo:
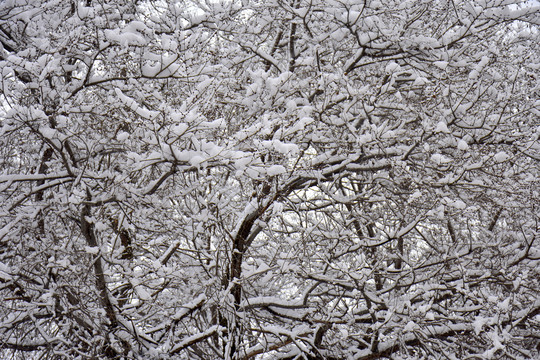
[{"x": 269, "y": 179}]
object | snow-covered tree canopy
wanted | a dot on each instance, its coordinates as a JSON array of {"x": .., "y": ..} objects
[{"x": 280, "y": 179}]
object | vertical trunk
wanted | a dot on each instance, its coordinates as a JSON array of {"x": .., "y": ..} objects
[
  {"x": 292, "y": 40},
  {"x": 241, "y": 242},
  {"x": 235, "y": 272},
  {"x": 399, "y": 262},
  {"x": 87, "y": 229}
]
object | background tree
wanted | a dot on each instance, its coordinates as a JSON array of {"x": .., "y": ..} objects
[{"x": 269, "y": 179}]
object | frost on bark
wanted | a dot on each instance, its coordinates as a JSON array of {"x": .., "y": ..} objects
[{"x": 269, "y": 179}]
